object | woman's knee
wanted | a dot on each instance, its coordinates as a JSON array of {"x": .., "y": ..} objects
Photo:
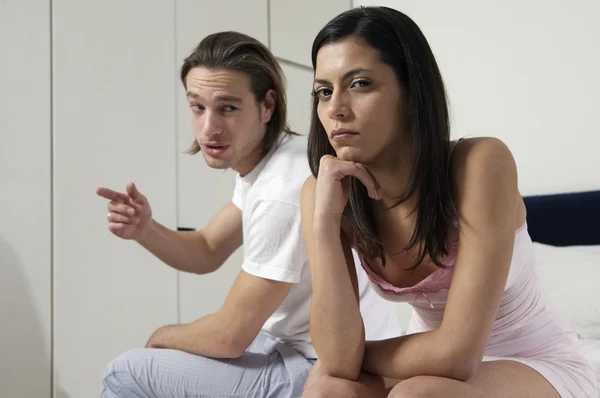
[
  {"x": 327, "y": 386},
  {"x": 415, "y": 387},
  {"x": 321, "y": 385}
]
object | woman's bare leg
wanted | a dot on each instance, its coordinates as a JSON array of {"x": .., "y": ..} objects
[{"x": 494, "y": 379}]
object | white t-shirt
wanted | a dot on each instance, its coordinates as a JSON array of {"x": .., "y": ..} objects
[{"x": 274, "y": 248}]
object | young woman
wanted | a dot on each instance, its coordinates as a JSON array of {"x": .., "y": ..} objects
[{"x": 438, "y": 224}]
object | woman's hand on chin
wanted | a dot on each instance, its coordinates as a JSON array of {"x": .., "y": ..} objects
[{"x": 332, "y": 189}]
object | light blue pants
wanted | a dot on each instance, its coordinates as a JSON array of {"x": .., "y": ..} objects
[{"x": 269, "y": 369}]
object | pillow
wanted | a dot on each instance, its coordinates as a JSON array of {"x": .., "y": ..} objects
[
  {"x": 588, "y": 249},
  {"x": 591, "y": 351},
  {"x": 570, "y": 277}
]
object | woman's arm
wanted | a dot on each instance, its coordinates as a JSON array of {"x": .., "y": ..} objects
[
  {"x": 489, "y": 211},
  {"x": 336, "y": 324}
]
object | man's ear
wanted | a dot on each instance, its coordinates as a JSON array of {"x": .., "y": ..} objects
[{"x": 268, "y": 106}]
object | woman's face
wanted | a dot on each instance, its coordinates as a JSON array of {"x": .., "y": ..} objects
[{"x": 360, "y": 103}]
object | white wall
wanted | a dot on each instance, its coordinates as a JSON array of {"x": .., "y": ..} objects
[
  {"x": 25, "y": 206},
  {"x": 526, "y": 72},
  {"x": 114, "y": 118},
  {"x": 294, "y": 24},
  {"x": 299, "y": 85},
  {"x": 99, "y": 103}
]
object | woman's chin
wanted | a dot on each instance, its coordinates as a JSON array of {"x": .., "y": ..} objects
[{"x": 350, "y": 154}]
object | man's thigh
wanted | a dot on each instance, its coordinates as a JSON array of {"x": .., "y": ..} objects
[{"x": 153, "y": 373}]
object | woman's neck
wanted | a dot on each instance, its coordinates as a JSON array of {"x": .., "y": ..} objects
[
  {"x": 395, "y": 222},
  {"x": 392, "y": 173}
]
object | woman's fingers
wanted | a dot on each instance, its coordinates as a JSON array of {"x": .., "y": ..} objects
[
  {"x": 368, "y": 181},
  {"x": 339, "y": 169}
]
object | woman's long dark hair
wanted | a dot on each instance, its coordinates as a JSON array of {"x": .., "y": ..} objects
[{"x": 402, "y": 46}]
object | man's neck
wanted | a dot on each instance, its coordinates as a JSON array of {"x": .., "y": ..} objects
[{"x": 246, "y": 165}]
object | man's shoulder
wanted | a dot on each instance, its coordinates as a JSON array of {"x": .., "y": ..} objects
[
  {"x": 289, "y": 151},
  {"x": 285, "y": 172}
]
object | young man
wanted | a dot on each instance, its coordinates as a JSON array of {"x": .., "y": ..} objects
[{"x": 258, "y": 343}]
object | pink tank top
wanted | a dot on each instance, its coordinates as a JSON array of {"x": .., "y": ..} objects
[
  {"x": 442, "y": 277},
  {"x": 527, "y": 324},
  {"x": 525, "y": 317}
]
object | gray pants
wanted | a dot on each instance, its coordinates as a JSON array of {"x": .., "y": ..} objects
[{"x": 269, "y": 369}]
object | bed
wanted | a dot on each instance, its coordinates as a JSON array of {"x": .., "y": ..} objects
[{"x": 565, "y": 229}]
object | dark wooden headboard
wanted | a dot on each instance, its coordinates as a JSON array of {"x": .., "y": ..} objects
[{"x": 565, "y": 219}]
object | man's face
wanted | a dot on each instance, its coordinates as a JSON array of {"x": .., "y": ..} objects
[{"x": 229, "y": 124}]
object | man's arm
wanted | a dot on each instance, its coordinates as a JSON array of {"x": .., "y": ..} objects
[
  {"x": 198, "y": 252},
  {"x": 274, "y": 256},
  {"x": 228, "y": 332}
]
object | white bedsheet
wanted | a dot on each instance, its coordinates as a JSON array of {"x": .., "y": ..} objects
[{"x": 591, "y": 349}]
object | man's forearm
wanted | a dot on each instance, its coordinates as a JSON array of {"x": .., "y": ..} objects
[
  {"x": 207, "y": 336},
  {"x": 185, "y": 251}
]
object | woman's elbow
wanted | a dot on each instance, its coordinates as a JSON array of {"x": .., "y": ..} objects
[
  {"x": 461, "y": 373},
  {"x": 339, "y": 361},
  {"x": 462, "y": 367},
  {"x": 340, "y": 369}
]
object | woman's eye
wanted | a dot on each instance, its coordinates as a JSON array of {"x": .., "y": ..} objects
[
  {"x": 361, "y": 83},
  {"x": 323, "y": 92}
]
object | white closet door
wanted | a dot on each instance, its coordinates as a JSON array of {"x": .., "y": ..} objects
[
  {"x": 299, "y": 86},
  {"x": 114, "y": 122},
  {"x": 25, "y": 254},
  {"x": 202, "y": 191},
  {"x": 294, "y": 25}
]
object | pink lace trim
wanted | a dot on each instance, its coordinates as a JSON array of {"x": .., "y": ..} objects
[{"x": 437, "y": 280}]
